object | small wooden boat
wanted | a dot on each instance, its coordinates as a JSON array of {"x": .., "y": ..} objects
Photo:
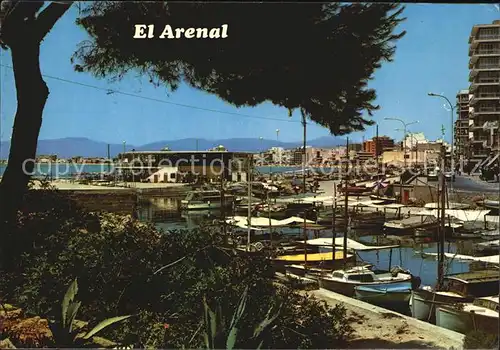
[
  {"x": 481, "y": 314},
  {"x": 384, "y": 293},
  {"x": 456, "y": 288},
  {"x": 344, "y": 281},
  {"x": 385, "y": 199}
]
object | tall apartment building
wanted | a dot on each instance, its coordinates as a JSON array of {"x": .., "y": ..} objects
[
  {"x": 462, "y": 146},
  {"x": 484, "y": 65}
]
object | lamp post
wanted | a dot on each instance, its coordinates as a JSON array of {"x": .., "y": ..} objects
[
  {"x": 405, "y": 125},
  {"x": 452, "y": 108}
]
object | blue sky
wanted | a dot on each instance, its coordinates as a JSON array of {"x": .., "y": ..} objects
[{"x": 433, "y": 56}]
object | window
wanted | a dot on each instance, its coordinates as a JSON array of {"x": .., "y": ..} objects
[
  {"x": 338, "y": 275},
  {"x": 361, "y": 278}
]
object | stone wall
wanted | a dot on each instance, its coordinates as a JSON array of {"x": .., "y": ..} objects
[{"x": 119, "y": 202}]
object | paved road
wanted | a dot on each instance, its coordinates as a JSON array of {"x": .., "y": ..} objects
[{"x": 468, "y": 184}]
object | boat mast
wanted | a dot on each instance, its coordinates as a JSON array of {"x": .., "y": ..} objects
[
  {"x": 304, "y": 185},
  {"x": 249, "y": 219},
  {"x": 346, "y": 199},
  {"x": 269, "y": 215},
  {"x": 222, "y": 201},
  {"x": 334, "y": 212},
  {"x": 441, "y": 221}
]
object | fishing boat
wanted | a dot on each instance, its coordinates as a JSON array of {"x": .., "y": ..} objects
[
  {"x": 481, "y": 314},
  {"x": 384, "y": 294},
  {"x": 490, "y": 235},
  {"x": 488, "y": 247},
  {"x": 408, "y": 225},
  {"x": 456, "y": 288},
  {"x": 207, "y": 199},
  {"x": 489, "y": 204},
  {"x": 345, "y": 281}
]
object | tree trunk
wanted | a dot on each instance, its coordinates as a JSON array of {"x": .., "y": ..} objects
[{"x": 32, "y": 93}]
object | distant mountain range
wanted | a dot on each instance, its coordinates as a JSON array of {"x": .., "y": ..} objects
[{"x": 80, "y": 146}]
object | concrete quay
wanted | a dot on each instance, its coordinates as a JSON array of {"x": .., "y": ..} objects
[{"x": 376, "y": 327}]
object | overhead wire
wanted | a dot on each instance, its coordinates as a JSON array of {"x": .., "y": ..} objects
[{"x": 115, "y": 91}]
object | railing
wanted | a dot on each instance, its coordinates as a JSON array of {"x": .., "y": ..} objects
[
  {"x": 487, "y": 36},
  {"x": 486, "y": 52},
  {"x": 488, "y": 66},
  {"x": 487, "y": 81},
  {"x": 487, "y": 109},
  {"x": 486, "y": 95}
]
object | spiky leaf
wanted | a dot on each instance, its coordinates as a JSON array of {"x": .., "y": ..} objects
[
  {"x": 104, "y": 324},
  {"x": 231, "y": 338},
  {"x": 266, "y": 323},
  {"x": 241, "y": 308},
  {"x": 68, "y": 298},
  {"x": 71, "y": 313}
]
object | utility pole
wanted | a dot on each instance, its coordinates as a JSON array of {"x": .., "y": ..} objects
[{"x": 346, "y": 199}]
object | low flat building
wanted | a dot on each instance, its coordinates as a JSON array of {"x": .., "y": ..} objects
[{"x": 211, "y": 165}]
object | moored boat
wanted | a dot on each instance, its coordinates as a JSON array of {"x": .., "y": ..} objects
[
  {"x": 344, "y": 281},
  {"x": 207, "y": 199},
  {"x": 456, "y": 288},
  {"x": 481, "y": 314}
]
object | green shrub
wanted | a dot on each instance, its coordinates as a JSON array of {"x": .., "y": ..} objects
[{"x": 120, "y": 265}]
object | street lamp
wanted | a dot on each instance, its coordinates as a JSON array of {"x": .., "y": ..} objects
[
  {"x": 452, "y": 126},
  {"x": 405, "y": 125}
]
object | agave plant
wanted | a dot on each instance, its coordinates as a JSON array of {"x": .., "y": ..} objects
[
  {"x": 218, "y": 336},
  {"x": 64, "y": 331}
]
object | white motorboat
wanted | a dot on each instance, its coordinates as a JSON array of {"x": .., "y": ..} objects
[
  {"x": 345, "y": 281},
  {"x": 456, "y": 288},
  {"x": 480, "y": 315},
  {"x": 207, "y": 199}
]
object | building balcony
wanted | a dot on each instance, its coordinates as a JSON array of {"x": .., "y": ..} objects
[
  {"x": 477, "y": 82},
  {"x": 476, "y": 54},
  {"x": 475, "y": 40},
  {"x": 476, "y": 69},
  {"x": 484, "y": 96}
]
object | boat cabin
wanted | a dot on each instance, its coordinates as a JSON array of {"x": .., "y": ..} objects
[
  {"x": 473, "y": 284},
  {"x": 490, "y": 303},
  {"x": 356, "y": 274},
  {"x": 210, "y": 195}
]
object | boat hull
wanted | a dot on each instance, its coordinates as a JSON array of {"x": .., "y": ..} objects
[
  {"x": 348, "y": 289},
  {"x": 463, "y": 321},
  {"x": 384, "y": 296},
  {"x": 424, "y": 302}
]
